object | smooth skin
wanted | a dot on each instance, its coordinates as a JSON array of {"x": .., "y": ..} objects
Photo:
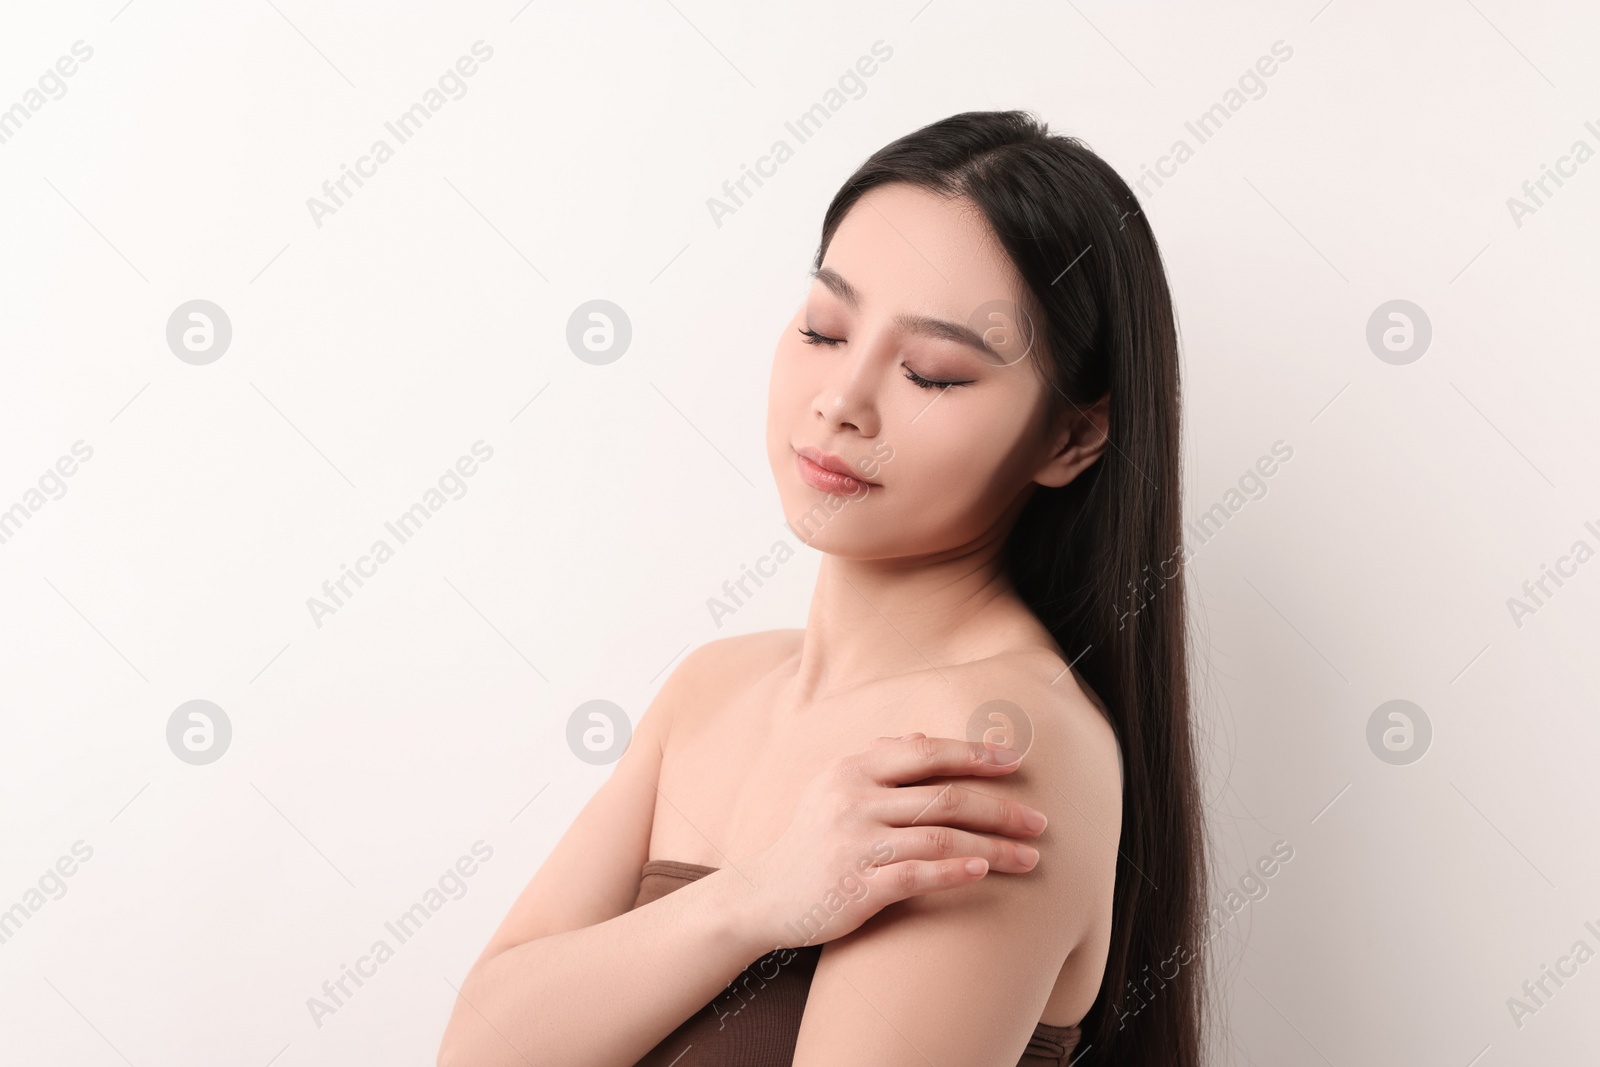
[{"x": 769, "y": 755}]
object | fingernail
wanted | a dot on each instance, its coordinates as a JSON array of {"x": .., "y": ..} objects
[
  {"x": 1027, "y": 855},
  {"x": 1035, "y": 820},
  {"x": 976, "y": 866},
  {"x": 1004, "y": 755}
]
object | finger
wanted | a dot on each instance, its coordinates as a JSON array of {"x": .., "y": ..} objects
[
  {"x": 951, "y": 804},
  {"x": 943, "y": 842},
  {"x": 910, "y": 878},
  {"x": 888, "y": 740},
  {"x": 915, "y": 758}
]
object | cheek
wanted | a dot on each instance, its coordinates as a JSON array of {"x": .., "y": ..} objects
[
  {"x": 955, "y": 466},
  {"x": 962, "y": 442},
  {"x": 788, "y": 365},
  {"x": 786, "y": 389},
  {"x": 949, "y": 470},
  {"x": 789, "y": 395}
]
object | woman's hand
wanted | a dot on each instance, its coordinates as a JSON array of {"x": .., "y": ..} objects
[{"x": 863, "y": 838}]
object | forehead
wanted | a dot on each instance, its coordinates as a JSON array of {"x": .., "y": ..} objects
[{"x": 906, "y": 248}]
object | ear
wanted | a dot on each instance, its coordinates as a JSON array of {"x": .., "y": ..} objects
[{"x": 1080, "y": 439}]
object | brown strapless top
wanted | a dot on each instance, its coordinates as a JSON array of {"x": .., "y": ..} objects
[{"x": 755, "y": 1022}]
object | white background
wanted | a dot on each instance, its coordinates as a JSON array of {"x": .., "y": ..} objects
[{"x": 430, "y": 311}]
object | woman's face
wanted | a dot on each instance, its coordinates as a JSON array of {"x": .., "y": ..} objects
[{"x": 912, "y": 288}]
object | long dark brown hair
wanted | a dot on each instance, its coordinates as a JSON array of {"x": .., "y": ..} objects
[{"x": 1099, "y": 560}]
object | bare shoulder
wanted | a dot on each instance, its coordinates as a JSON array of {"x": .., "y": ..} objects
[
  {"x": 747, "y": 650},
  {"x": 1034, "y": 921},
  {"x": 1071, "y": 770},
  {"x": 1029, "y": 700},
  {"x": 704, "y": 678}
]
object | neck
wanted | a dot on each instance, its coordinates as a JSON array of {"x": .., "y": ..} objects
[{"x": 873, "y": 619}]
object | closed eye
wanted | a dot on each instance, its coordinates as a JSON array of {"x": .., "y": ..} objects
[
  {"x": 929, "y": 383},
  {"x": 814, "y": 338}
]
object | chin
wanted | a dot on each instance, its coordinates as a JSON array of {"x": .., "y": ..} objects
[{"x": 823, "y": 521}]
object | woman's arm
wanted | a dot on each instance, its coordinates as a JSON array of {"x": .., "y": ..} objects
[
  {"x": 602, "y": 995},
  {"x": 572, "y": 976}
]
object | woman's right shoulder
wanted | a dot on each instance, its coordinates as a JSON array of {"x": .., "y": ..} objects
[
  {"x": 703, "y": 680},
  {"x": 759, "y": 648},
  {"x": 731, "y": 657}
]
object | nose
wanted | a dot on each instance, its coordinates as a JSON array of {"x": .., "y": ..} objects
[{"x": 847, "y": 396}]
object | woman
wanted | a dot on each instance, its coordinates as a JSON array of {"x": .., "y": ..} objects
[{"x": 974, "y": 416}]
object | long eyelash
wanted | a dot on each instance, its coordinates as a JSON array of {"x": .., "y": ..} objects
[
  {"x": 927, "y": 383},
  {"x": 814, "y": 338}
]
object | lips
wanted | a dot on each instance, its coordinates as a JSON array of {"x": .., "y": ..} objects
[{"x": 829, "y": 473}]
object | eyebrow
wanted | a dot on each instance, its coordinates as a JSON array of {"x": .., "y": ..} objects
[{"x": 915, "y": 324}]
